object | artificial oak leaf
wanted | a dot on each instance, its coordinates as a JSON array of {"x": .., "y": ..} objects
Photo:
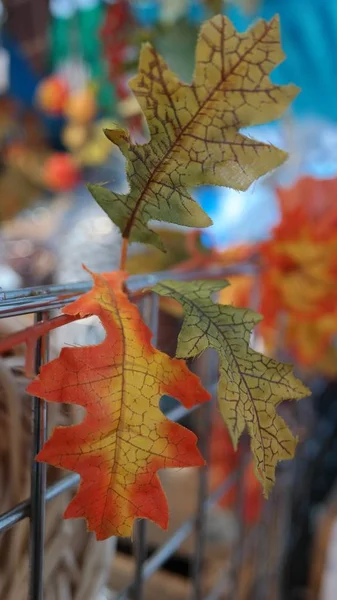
[
  {"x": 310, "y": 202},
  {"x": 298, "y": 262},
  {"x": 298, "y": 276},
  {"x": 251, "y": 385},
  {"x": 194, "y": 128},
  {"x": 239, "y": 292},
  {"x": 311, "y": 341},
  {"x": 124, "y": 438}
]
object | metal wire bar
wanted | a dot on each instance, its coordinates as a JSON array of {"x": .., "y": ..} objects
[
  {"x": 156, "y": 561},
  {"x": 224, "y": 583},
  {"x": 38, "y": 481},
  {"x": 150, "y": 312},
  {"x": 238, "y": 551},
  {"x": 38, "y": 301},
  {"x": 201, "y": 517},
  {"x": 221, "y": 585},
  {"x": 204, "y": 435},
  {"x": 140, "y": 553},
  {"x": 22, "y": 510},
  {"x": 35, "y": 299}
]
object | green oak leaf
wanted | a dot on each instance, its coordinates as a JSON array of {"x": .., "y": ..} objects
[
  {"x": 194, "y": 129},
  {"x": 251, "y": 385}
]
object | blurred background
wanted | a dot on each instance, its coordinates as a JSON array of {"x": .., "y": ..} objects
[{"x": 64, "y": 71}]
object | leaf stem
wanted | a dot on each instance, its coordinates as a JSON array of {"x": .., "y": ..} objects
[{"x": 124, "y": 254}]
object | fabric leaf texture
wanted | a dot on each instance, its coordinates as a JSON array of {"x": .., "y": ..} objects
[
  {"x": 251, "y": 385},
  {"x": 124, "y": 438},
  {"x": 194, "y": 129}
]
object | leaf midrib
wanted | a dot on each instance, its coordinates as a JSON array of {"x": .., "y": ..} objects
[
  {"x": 122, "y": 393},
  {"x": 127, "y": 231},
  {"x": 199, "y": 308}
]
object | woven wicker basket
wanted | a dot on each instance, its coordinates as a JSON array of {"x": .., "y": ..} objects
[{"x": 76, "y": 565}]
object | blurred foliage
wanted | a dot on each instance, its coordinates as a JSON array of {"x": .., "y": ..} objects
[{"x": 178, "y": 250}]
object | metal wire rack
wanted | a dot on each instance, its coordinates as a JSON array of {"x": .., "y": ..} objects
[{"x": 41, "y": 301}]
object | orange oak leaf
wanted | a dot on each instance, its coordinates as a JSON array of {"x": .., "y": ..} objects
[
  {"x": 298, "y": 277},
  {"x": 299, "y": 266},
  {"x": 239, "y": 292},
  {"x": 313, "y": 201},
  {"x": 311, "y": 341},
  {"x": 124, "y": 438}
]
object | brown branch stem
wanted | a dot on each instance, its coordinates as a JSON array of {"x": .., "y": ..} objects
[{"x": 124, "y": 254}]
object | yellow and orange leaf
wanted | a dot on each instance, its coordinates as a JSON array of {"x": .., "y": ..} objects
[
  {"x": 310, "y": 203},
  {"x": 311, "y": 341},
  {"x": 239, "y": 292},
  {"x": 299, "y": 265},
  {"x": 298, "y": 275},
  {"x": 124, "y": 438},
  {"x": 195, "y": 129},
  {"x": 251, "y": 386}
]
